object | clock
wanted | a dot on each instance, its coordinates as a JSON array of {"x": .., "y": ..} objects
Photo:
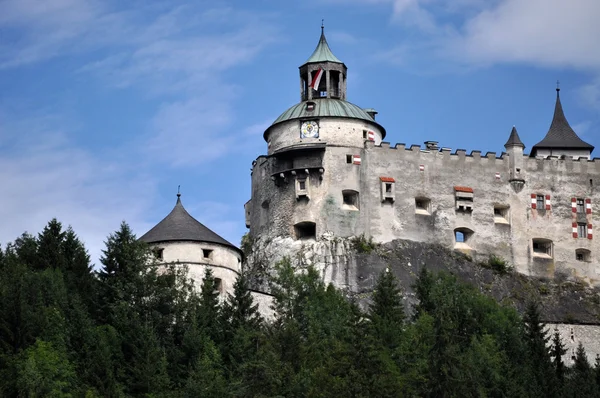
[{"x": 309, "y": 129}]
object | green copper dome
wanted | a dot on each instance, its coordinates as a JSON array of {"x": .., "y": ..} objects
[{"x": 327, "y": 107}]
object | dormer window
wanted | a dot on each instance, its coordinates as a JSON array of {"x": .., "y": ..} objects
[{"x": 310, "y": 106}]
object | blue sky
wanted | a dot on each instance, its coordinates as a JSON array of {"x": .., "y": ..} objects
[{"x": 107, "y": 106}]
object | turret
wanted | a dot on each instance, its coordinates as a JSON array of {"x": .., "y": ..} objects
[
  {"x": 514, "y": 148},
  {"x": 561, "y": 139},
  {"x": 323, "y": 75}
]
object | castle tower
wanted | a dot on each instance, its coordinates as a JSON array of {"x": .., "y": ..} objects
[
  {"x": 514, "y": 147},
  {"x": 323, "y": 75},
  {"x": 310, "y": 179},
  {"x": 179, "y": 238},
  {"x": 561, "y": 139}
]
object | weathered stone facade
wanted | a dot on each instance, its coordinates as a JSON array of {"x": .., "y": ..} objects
[{"x": 343, "y": 181}]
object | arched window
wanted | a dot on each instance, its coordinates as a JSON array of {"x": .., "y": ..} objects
[{"x": 583, "y": 255}]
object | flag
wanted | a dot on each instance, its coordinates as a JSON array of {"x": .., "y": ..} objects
[{"x": 317, "y": 79}]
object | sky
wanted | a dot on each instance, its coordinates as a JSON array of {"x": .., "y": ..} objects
[{"x": 106, "y": 107}]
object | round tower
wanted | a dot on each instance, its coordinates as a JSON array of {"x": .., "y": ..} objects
[
  {"x": 309, "y": 184},
  {"x": 179, "y": 238}
]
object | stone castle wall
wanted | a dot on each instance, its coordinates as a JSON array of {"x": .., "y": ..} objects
[{"x": 431, "y": 176}]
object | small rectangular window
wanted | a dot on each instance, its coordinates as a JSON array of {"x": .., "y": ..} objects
[
  {"x": 541, "y": 205},
  {"x": 349, "y": 159},
  {"x": 350, "y": 199},
  {"x": 582, "y": 230},
  {"x": 388, "y": 187},
  {"x": 501, "y": 214},
  {"x": 302, "y": 184},
  {"x": 206, "y": 253},
  {"x": 580, "y": 205},
  {"x": 422, "y": 206},
  {"x": 460, "y": 237},
  {"x": 158, "y": 253},
  {"x": 218, "y": 285},
  {"x": 542, "y": 247},
  {"x": 365, "y": 134}
]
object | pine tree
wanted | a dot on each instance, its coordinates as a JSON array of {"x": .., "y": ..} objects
[
  {"x": 582, "y": 383},
  {"x": 557, "y": 351},
  {"x": 386, "y": 311},
  {"x": 209, "y": 311},
  {"x": 50, "y": 246},
  {"x": 542, "y": 373}
]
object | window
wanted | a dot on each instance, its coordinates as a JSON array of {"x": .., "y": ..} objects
[
  {"x": 365, "y": 134},
  {"x": 388, "y": 187},
  {"x": 310, "y": 106},
  {"x": 462, "y": 237},
  {"x": 464, "y": 199},
  {"x": 583, "y": 255},
  {"x": 158, "y": 253},
  {"x": 305, "y": 230},
  {"x": 501, "y": 214},
  {"x": 350, "y": 199},
  {"x": 207, "y": 253},
  {"x": 542, "y": 247},
  {"x": 218, "y": 285},
  {"x": 349, "y": 159},
  {"x": 302, "y": 187},
  {"x": 423, "y": 206},
  {"x": 580, "y": 205},
  {"x": 540, "y": 202},
  {"x": 582, "y": 230}
]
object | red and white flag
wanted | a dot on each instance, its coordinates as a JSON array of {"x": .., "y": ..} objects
[{"x": 316, "y": 79}]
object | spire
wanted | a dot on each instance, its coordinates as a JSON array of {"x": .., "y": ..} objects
[
  {"x": 178, "y": 194},
  {"x": 514, "y": 139},
  {"x": 560, "y": 135},
  {"x": 323, "y": 53}
]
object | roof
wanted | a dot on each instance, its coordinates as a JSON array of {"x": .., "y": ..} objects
[
  {"x": 514, "y": 139},
  {"x": 327, "y": 107},
  {"x": 387, "y": 179},
  {"x": 463, "y": 189},
  {"x": 323, "y": 53},
  {"x": 560, "y": 134},
  {"x": 179, "y": 225}
]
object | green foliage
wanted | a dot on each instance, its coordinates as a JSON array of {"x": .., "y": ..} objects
[
  {"x": 134, "y": 329},
  {"x": 247, "y": 244},
  {"x": 497, "y": 264},
  {"x": 362, "y": 244}
]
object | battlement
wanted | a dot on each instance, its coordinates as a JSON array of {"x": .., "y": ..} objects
[{"x": 416, "y": 151}]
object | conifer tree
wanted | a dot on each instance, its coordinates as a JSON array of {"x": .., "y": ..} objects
[
  {"x": 542, "y": 373},
  {"x": 386, "y": 311},
  {"x": 209, "y": 311},
  {"x": 50, "y": 246},
  {"x": 582, "y": 383},
  {"x": 557, "y": 351}
]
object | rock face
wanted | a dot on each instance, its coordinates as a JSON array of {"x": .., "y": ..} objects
[
  {"x": 353, "y": 265},
  {"x": 568, "y": 305}
]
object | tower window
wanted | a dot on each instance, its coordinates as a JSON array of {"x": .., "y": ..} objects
[
  {"x": 542, "y": 247},
  {"x": 580, "y": 205},
  {"x": 305, "y": 230},
  {"x": 218, "y": 285},
  {"x": 462, "y": 236},
  {"x": 583, "y": 255},
  {"x": 582, "y": 230},
  {"x": 423, "y": 206},
  {"x": 464, "y": 199},
  {"x": 349, "y": 159},
  {"x": 501, "y": 214},
  {"x": 158, "y": 253},
  {"x": 302, "y": 184},
  {"x": 350, "y": 199},
  {"x": 207, "y": 253},
  {"x": 540, "y": 202}
]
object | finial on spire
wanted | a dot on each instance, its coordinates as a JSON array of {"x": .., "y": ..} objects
[
  {"x": 322, "y": 26},
  {"x": 557, "y": 86},
  {"x": 178, "y": 191}
]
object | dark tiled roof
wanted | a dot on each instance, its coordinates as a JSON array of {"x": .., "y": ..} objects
[
  {"x": 179, "y": 225},
  {"x": 561, "y": 135},
  {"x": 514, "y": 139}
]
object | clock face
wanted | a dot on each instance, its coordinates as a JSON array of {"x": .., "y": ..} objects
[{"x": 309, "y": 129}]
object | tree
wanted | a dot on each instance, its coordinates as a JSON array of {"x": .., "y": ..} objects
[
  {"x": 582, "y": 383},
  {"x": 386, "y": 311},
  {"x": 542, "y": 373},
  {"x": 557, "y": 351}
]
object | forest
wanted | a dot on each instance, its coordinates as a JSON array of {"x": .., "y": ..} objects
[{"x": 129, "y": 328}]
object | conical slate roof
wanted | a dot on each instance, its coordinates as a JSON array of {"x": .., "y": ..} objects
[
  {"x": 323, "y": 53},
  {"x": 179, "y": 225},
  {"x": 514, "y": 139},
  {"x": 561, "y": 135}
]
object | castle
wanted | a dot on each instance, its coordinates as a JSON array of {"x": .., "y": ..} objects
[
  {"x": 328, "y": 176},
  {"x": 328, "y": 172}
]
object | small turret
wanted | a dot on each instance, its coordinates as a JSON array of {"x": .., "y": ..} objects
[
  {"x": 323, "y": 75},
  {"x": 514, "y": 148}
]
